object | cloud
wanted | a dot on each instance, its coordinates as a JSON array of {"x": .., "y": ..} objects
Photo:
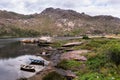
[{"x": 92, "y": 7}]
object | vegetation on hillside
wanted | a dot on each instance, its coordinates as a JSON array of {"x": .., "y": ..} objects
[
  {"x": 17, "y": 32},
  {"x": 57, "y": 22}
]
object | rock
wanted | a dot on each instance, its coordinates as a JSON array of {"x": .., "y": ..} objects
[
  {"x": 70, "y": 74},
  {"x": 43, "y": 53},
  {"x": 72, "y": 44},
  {"x": 75, "y": 55},
  {"x": 43, "y": 45},
  {"x": 32, "y": 40},
  {"x": 26, "y": 41},
  {"x": 61, "y": 48},
  {"x": 66, "y": 73},
  {"x": 80, "y": 58},
  {"x": 43, "y": 40},
  {"x": 46, "y": 38},
  {"x": 67, "y": 50},
  {"x": 41, "y": 74}
]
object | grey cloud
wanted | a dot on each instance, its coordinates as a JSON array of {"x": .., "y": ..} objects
[
  {"x": 114, "y": 1},
  {"x": 92, "y": 7}
]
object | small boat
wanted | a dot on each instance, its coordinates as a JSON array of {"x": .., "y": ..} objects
[
  {"x": 37, "y": 62},
  {"x": 27, "y": 68}
]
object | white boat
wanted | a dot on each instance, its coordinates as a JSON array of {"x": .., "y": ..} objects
[{"x": 27, "y": 68}]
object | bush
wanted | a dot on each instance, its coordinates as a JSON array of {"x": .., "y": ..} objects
[
  {"x": 85, "y": 37},
  {"x": 113, "y": 52}
]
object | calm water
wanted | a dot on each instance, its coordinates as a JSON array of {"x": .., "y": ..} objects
[{"x": 12, "y": 55}]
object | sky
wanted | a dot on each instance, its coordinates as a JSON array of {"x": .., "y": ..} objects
[{"x": 91, "y": 7}]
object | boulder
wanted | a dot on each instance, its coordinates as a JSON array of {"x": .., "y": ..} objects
[
  {"x": 74, "y": 55},
  {"x": 31, "y": 40},
  {"x": 46, "y": 38},
  {"x": 66, "y": 73},
  {"x": 72, "y": 44}
]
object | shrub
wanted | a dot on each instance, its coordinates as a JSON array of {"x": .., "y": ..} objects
[
  {"x": 85, "y": 37},
  {"x": 113, "y": 52}
]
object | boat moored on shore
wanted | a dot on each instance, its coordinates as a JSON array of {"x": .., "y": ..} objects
[{"x": 28, "y": 68}]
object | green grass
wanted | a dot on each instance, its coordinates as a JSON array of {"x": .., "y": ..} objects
[
  {"x": 91, "y": 76},
  {"x": 93, "y": 44},
  {"x": 101, "y": 63},
  {"x": 113, "y": 52},
  {"x": 95, "y": 62},
  {"x": 69, "y": 64},
  {"x": 97, "y": 76},
  {"x": 103, "y": 60}
]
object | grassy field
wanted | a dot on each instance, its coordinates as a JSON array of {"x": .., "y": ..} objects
[{"x": 103, "y": 60}]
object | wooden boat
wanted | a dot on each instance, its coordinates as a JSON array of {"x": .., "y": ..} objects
[
  {"x": 37, "y": 62},
  {"x": 27, "y": 68}
]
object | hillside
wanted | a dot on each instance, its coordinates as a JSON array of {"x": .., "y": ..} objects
[{"x": 57, "y": 22}]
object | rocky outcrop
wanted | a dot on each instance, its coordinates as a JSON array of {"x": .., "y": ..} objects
[
  {"x": 72, "y": 44},
  {"x": 66, "y": 73},
  {"x": 74, "y": 55},
  {"x": 42, "y": 40},
  {"x": 61, "y": 13}
]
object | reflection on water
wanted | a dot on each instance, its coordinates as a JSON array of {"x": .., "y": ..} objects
[
  {"x": 17, "y": 49},
  {"x": 4, "y": 42},
  {"x": 10, "y": 68}
]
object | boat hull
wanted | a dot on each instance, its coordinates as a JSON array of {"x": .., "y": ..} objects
[
  {"x": 35, "y": 63},
  {"x": 29, "y": 70}
]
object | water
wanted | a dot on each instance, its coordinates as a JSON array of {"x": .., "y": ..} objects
[
  {"x": 10, "y": 68},
  {"x": 4, "y": 42},
  {"x": 13, "y": 54}
]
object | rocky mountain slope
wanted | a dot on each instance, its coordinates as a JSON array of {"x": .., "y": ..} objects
[{"x": 57, "y": 22}]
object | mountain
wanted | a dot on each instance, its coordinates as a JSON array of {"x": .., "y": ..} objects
[{"x": 57, "y": 22}]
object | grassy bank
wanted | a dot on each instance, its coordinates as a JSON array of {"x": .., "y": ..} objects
[{"x": 103, "y": 60}]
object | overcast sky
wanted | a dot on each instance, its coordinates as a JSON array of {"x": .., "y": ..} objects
[{"x": 91, "y": 7}]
